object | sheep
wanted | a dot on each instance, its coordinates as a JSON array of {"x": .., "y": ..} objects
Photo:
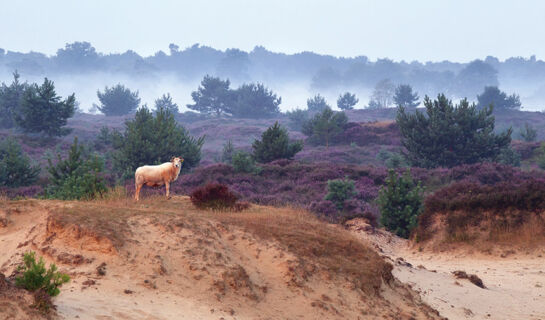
[{"x": 159, "y": 175}]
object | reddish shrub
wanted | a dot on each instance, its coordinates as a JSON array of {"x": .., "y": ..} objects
[{"x": 215, "y": 196}]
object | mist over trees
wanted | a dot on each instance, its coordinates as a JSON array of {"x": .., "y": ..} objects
[
  {"x": 118, "y": 100},
  {"x": 322, "y": 72}
]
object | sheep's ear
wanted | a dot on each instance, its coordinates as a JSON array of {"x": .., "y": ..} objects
[
  {"x": 181, "y": 159},
  {"x": 171, "y": 159}
]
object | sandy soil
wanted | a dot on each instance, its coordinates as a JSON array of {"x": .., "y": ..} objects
[
  {"x": 515, "y": 281},
  {"x": 179, "y": 265}
]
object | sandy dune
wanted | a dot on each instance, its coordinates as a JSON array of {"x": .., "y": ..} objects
[
  {"x": 515, "y": 282},
  {"x": 141, "y": 261}
]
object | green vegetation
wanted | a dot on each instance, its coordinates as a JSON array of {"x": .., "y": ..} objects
[
  {"x": 317, "y": 104},
  {"x": 227, "y": 152},
  {"x": 10, "y": 101},
  {"x": 153, "y": 139},
  {"x": 42, "y": 111},
  {"x": 243, "y": 162},
  {"x": 528, "y": 134},
  {"x": 324, "y": 126},
  {"x": 213, "y": 97},
  {"x": 347, "y": 101},
  {"x": 297, "y": 118},
  {"x": 35, "y": 276},
  {"x": 450, "y": 135},
  {"x": 165, "y": 102},
  {"x": 118, "y": 100},
  {"x": 340, "y": 190},
  {"x": 15, "y": 167},
  {"x": 76, "y": 177},
  {"x": 274, "y": 145},
  {"x": 255, "y": 101},
  {"x": 499, "y": 99},
  {"x": 405, "y": 97},
  {"x": 400, "y": 203}
]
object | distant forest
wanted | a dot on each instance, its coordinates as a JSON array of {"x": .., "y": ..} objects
[{"x": 320, "y": 72}]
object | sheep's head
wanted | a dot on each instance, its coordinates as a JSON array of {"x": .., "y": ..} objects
[{"x": 177, "y": 161}]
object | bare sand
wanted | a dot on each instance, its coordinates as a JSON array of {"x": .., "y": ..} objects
[{"x": 514, "y": 280}]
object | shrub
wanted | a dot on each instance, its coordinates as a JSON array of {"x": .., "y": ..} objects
[
  {"x": 528, "y": 134},
  {"x": 297, "y": 118},
  {"x": 15, "y": 168},
  {"x": 400, "y": 203},
  {"x": 42, "y": 111},
  {"x": 152, "y": 139},
  {"x": 274, "y": 145},
  {"x": 317, "y": 104},
  {"x": 35, "y": 276},
  {"x": 117, "y": 100},
  {"x": 541, "y": 156},
  {"x": 10, "y": 100},
  {"x": 227, "y": 152},
  {"x": 450, "y": 135},
  {"x": 214, "y": 196},
  {"x": 339, "y": 191},
  {"x": 325, "y": 126},
  {"x": 76, "y": 177},
  {"x": 243, "y": 162},
  {"x": 347, "y": 101},
  {"x": 509, "y": 157},
  {"x": 254, "y": 100}
]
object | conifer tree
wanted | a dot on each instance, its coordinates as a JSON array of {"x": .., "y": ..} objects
[
  {"x": 324, "y": 126},
  {"x": 15, "y": 167},
  {"x": 275, "y": 144},
  {"x": 449, "y": 135},
  {"x": 43, "y": 111}
]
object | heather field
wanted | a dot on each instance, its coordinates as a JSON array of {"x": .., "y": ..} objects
[{"x": 360, "y": 153}]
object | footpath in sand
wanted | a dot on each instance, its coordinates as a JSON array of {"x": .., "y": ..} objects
[{"x": 514, "y": 281}]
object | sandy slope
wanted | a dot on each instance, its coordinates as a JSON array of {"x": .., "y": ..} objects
[
  {"x": 128, "y": 261},
  {"x": 515, "y": 283}
]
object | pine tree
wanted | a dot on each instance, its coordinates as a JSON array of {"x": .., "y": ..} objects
[
  {"x": 42, "y": 111},
  {"x": 317, "y": 104},
  {"x": 255, "y": 101},
  {"x": 274, "y": 144},
  {"x": 118, "y": 100},
  {"x": 15, "y": 167},
  {"x": 347, "y": 101},
  {"x": 528, "y": 134},
  {"x": 324, "y": 126},
  {"x": 449, "y": 135},
  {"x": 153, "y": 139},
  {"x": 213, "y": 97},
  {"x": 10, "y": 101},
  {"x": 400, "y": 203},
  {"x": 76, "y": 177},
  {"x": 405, "y": 97},
  {"x": 228, "y": 152},
  {"x": 166, "y": 103}
]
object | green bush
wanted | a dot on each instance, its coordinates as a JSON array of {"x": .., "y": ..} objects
[
  {"x": 400, "y": 203},
  {"x": 243, "y": 162},
  {"x": 153, "y": 139},
  {"x": 76, "y": 177},
  {"x": 541, "y": 156},
  {"x": 227, "y": 152},
  {"x": 448, "y": 135},
  {"x": 117, "y": 100},
  {"x": 509, "y": 157},
  {"x": 339, "y": 191},
  {"x": 15, "y": 168},
  {"x": 35, "y": 276},
  {"x": 528, "y": 134},
  {"x": 324, "y": 126},
  {"x": 274, "y": 145}
]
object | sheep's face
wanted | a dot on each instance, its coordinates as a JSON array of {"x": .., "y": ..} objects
[{"x": 177, "y": 161}]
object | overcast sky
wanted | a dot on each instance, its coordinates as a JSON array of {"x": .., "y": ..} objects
[{"x": 402, "y": 30}]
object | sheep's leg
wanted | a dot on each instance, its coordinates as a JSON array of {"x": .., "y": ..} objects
[
  {"x": 167, "y": 185},
  {"x": 137, "y": 191}
]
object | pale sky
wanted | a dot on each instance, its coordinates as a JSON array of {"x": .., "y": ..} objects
[{"x": 421, "y": 30}]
